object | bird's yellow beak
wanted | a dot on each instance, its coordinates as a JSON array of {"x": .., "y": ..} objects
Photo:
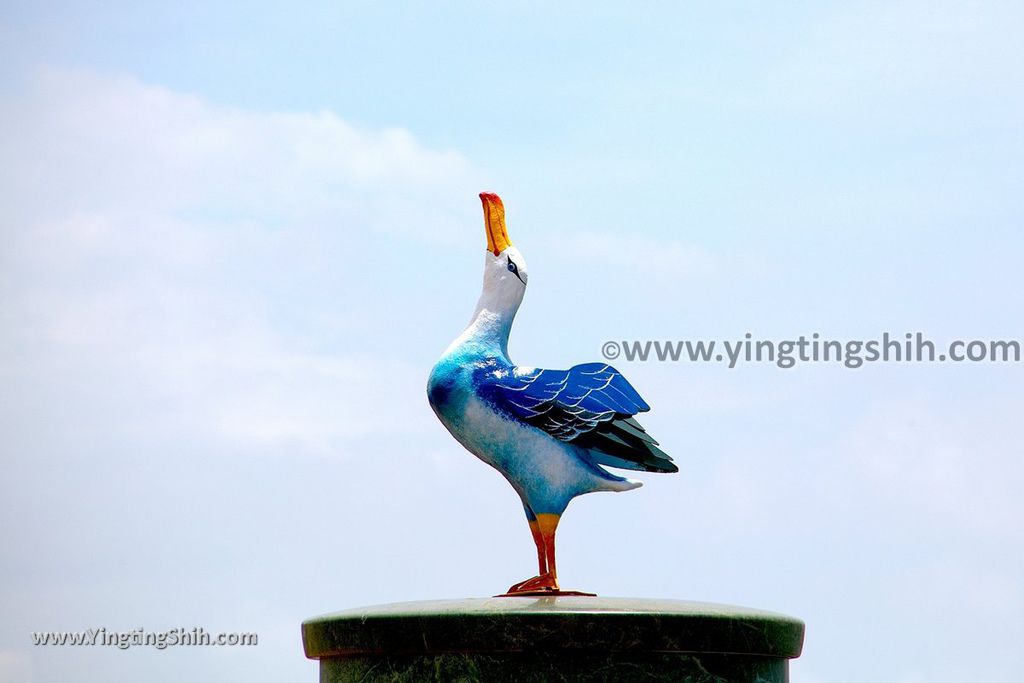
[{"x": 494, "y": 223}]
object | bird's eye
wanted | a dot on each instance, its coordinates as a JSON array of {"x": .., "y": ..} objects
[{"x": 514, "y": 269}]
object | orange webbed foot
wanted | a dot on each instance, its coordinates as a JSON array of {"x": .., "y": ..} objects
[{"x": 544, "y": 582}]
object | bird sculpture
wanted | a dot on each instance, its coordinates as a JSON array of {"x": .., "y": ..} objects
[{"x": 549, "y": 432}]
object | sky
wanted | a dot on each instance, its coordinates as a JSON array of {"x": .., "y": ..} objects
[{"x": 236, "y": 237}]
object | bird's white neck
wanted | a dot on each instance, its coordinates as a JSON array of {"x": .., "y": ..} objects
[{"x": 491, "y": 324}]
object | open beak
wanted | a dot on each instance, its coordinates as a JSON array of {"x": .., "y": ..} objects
[{"x": 494, "y": 223}]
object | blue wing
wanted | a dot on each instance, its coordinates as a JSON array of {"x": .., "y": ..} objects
[{"x": 589, "y": 405}]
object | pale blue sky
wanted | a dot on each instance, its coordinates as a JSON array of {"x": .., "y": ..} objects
[{"x": 236, "y": 238}]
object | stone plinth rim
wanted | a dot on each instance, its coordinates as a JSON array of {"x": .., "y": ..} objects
[{"x": 513, "y": 624}]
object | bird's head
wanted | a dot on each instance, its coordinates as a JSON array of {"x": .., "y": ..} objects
[{"x": 504, "y": 267}]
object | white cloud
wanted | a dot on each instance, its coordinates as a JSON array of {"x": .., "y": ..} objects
[
  {"x": 656, "y": 260},
  {"x": 15, "y": 667},
  {"x": 917, "y": 460},
  {"x": 84, "y": 140},
  {"x": 637, "y": 253},
  {"x": 170, "y": 265}
]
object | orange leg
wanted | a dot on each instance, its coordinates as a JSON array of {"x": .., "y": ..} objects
[
  {"x": 543, "y": 530},
  {"x": 542, "y": 560},
  {"x": 549, "y": 549}
]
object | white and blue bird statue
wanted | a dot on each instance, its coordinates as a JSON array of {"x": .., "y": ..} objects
[{"x": 549, "y": 432}]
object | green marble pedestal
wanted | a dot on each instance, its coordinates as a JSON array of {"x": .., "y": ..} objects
[{"x": 554, "y": 639}]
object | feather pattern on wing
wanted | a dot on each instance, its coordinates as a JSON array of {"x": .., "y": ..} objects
[{"x": 590, "y": 405}]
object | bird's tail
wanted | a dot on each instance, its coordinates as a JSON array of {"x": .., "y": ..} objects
[
  {"x": 621, "y": 484},
  {"x": 608, "y": 481}
]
